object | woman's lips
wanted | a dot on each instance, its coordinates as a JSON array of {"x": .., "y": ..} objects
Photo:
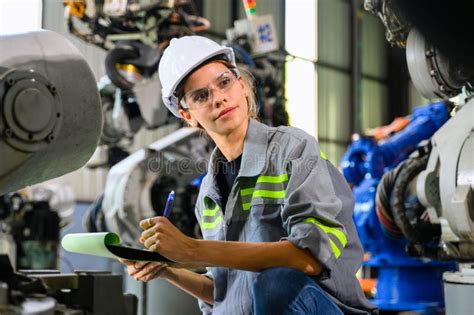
[{"x": 225, "y": 112}]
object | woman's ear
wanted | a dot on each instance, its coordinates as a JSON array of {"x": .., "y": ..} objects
[{"x": 187, "y": 117}]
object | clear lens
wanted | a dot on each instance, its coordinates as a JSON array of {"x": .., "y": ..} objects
[{"x": 203, "y": 97}]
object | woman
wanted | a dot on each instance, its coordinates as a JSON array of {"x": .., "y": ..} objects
[{"x": 276, "y": 216}]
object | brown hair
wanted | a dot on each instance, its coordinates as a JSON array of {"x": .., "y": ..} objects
[{"x": 247, "y": 78}]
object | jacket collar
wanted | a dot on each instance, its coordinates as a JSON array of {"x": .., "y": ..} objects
[{"x": 254, "y": 156}]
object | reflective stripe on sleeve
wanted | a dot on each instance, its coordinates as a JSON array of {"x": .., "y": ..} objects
[
  {"x": 330, "y": 230},
  {"x": 210, "y": 212},
  {"x": 209, "y": 218},
  {"x": 323, "y": 155},
  {"x": 211, "y": 225}
]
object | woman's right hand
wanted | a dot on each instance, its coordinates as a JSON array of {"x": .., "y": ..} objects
[{"x": 144, "y": 270}]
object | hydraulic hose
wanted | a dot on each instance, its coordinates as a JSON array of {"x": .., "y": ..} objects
[
  {"x": 421, "y": 232},
  {"x": 382, "y": 200},
  {"x": 114, "y": 57}
]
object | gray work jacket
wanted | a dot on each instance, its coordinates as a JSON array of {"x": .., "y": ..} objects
[{"x": 285, "y": 190}]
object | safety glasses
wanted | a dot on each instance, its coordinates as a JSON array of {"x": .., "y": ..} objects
[{"x": 203, "y": 97}]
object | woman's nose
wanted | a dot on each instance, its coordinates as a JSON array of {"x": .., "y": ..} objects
[{"x": 218, "y": 97}]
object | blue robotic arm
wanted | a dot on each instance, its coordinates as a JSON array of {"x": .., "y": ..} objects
[
  {"x": 367, "y": 158},
  {"x": 404, "y": 283}
]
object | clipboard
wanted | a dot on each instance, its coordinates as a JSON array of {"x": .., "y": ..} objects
[{"x": 108, "y": 244}]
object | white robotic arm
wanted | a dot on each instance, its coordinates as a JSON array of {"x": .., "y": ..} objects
[
  {"x": 50, "y": 114},
  {"x": 445, "y": 187}
]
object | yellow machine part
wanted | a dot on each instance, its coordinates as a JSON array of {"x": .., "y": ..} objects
[{"x": 75, "y": 7}]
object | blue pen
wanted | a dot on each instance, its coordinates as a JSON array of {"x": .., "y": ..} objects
[{"x": 169, "y": 204}]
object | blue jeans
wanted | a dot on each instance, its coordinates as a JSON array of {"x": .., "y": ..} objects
[{"x": 287, "y": 291}]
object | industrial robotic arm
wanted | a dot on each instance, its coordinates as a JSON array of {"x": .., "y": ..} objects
[
  {"x": 134, "y": 33},
  {"x": 438, "y": 39},
  {"x": 255, "y": 43},
  {"x": 445, "y": 186},
  {"x": 50, "y": 124},
  {"x": 137, "y": 187},
  {"x": 50, "y": 113}
]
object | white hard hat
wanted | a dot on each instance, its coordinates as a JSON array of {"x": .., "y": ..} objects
[{"x": 182, "y": 56}]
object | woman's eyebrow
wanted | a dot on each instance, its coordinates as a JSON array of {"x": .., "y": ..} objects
[{"x": 222, "y": 74}]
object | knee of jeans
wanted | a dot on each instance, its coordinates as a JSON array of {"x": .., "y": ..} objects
[
  {"x": 271, "y": 279},
  {"x": 268, "y": 283}
]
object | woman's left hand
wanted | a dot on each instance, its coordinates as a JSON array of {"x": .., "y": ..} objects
[
  {"x": 163, "y": 237},
  {"x": 144, "y": 270}
]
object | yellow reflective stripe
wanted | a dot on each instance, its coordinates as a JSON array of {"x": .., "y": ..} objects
[
  {"x": 246, "y": 191},
  {"x": 264, "y": 193},
  {"x": 327, "y": 229},
  {"x": 280, "y": 194},
  {"x": 273, "y": 179},
  {"x": 322, "y": 155},
  {"x": 269, "y": 194},
  {"x": 336, "y": 250},
  {"x": 210, "y": 212},
  {"x": 211, "y": 225}
]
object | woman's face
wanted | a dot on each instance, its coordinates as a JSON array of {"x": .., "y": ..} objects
[{"x": 226, "y": 109}]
